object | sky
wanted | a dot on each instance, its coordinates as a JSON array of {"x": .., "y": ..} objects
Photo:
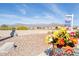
[{"x": 38, "y": 13}]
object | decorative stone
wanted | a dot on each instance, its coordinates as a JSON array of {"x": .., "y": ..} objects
[
  {"x": 69, "y": 51},
  {"x": 58, "y": 52},
  {"x": 7, "y": 46}
]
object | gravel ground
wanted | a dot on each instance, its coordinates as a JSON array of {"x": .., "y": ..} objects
[{"x": 29, "y": 43}]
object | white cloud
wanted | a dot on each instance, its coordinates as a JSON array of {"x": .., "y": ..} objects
[
  {"x": 55, "y": 8},
  {"x": 11, "y": 16},
  {"x": 22, "y": 9},
  {"x": 8, "y": 16},
  {"x": 24, "y": 5},
  {"x": 47, "y": 18},
  {"x": 36, "y": 17}
]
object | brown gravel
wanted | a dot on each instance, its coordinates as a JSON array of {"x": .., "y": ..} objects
[{"x": 27, "y": 45}]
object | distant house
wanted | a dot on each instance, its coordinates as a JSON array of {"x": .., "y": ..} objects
[
  {"x": 39, "y": 26},
  {"x": 44, "y": 26}
]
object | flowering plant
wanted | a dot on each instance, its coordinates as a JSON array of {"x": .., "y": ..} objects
[{"x": 63, "y": 38}]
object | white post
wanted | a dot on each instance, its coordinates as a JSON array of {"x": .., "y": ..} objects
[{"x": 72, "y": 23}]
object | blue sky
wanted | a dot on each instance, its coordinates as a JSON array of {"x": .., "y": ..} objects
[{"x": 37, "y": 13}]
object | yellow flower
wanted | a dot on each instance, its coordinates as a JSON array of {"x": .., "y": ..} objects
[
  {"x": 48, "y": 39},
  {"x": 67, "y": 35},
  {"x": 62, "y": 29},
  {"x": 56, "y": 33}
]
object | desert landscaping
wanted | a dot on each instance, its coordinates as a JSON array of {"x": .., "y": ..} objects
[{"x": 28, "y": 42}]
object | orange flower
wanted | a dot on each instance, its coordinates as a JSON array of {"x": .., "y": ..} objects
[
  {"x": 61, "y": 42},
  {"x": 71, "y": 38},
  {"x": 75, "y": 41}
]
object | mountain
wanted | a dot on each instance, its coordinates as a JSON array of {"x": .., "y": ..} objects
[{"x": 35, "y": 25}]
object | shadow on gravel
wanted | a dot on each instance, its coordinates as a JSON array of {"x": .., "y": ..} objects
[{"x": 5, "y": 38}]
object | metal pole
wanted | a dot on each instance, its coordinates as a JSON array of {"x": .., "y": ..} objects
[{"x": 72, "y": 23}]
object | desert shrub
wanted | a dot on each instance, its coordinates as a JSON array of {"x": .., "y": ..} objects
[
  {"x": 5, "y": 27},
  {"x": 22, "y": 28}
]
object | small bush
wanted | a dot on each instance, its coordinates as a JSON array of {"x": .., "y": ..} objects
[
  {"x": 22, "y": 28},
  {"x": 5, "y": 27}
]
